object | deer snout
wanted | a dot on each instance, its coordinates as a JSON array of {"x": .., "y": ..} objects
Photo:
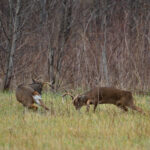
[
  {"x": 77, "y": 104},
  {"x": 77, "y": 107}
]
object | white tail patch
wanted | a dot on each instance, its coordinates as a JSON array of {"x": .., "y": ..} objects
[{"x": 37, "y": 98}]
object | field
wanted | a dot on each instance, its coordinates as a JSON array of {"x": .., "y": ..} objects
[{"x": 63, "y": 128}]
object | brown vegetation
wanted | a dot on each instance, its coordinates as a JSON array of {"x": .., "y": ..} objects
[{"x": 76, "y": 43}]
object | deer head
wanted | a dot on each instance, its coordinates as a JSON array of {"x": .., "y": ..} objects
[
  {"x": 78, "y": 100},
  {"x": 37, "y": 85}
]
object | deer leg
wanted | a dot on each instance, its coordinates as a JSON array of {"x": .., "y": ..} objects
[
  {"x": 121, "y": 105},
  {"x": 95, "y": 106},
  {"x": 88, "y": 106},
  {"x": 42, "y": 104},
  {"x": 133, "y": 107},
  {"x": 25, "y": 110},
  {"x": 32, "y": 106}
]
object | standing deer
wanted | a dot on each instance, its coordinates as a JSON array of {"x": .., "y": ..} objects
[
  {"x": 105, "y": 95},
  {"x": 28, "y": 97}
]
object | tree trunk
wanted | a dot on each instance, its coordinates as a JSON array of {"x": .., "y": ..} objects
[
  {"x": 104, "y": 59},
  {"x": 43, "y": 13},
  {"x": 65, "y": 27},
  {"x": 51, "y": 67},
  {"x": 10, "y": 64}
]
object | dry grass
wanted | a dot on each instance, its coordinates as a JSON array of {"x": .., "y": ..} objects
[{"x": 63, "y": 128}]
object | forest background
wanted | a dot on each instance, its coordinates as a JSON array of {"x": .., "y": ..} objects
[{"x": 75, "y": 43}]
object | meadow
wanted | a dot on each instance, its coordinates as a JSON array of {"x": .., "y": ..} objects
[{"x": 64, "y": 128}]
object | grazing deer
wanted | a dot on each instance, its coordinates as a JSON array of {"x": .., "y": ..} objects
[
  {"x": 28, "y": 97},
  {"x": 105, "y": 95}
]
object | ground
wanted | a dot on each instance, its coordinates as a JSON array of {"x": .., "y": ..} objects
[{"x": 63, "y": 128}]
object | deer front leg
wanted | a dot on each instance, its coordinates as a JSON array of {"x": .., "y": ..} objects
[
  {"x": 123, "y": 107},
  {"x": 42, "y": 104},
  {"x": 38, "y": 100},
  {"x": 133, "y": 107},
  {"x": 33, "y": 107},
  {"x": 95, "y": 106},
  {"x": 88, "y": 105},
  {"x": 121, "y": 104}
]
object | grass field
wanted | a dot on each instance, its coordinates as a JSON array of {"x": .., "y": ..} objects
[{"x": 63, "y": 128}]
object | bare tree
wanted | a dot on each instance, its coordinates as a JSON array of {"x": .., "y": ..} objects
[
  {"x": 12, "y": 45},
  {"x": 51, "y": 66},
  {"x": 104, "y": 59},
  {"x": 43, "y": 14},
  {"x": 102, "y": 41},
  {"x": 65, "y": 28}
]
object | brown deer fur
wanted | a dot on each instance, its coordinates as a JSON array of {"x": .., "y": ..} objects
[
  {"x": 24, "y": 95},
  {"x": 106, "y": 95}
]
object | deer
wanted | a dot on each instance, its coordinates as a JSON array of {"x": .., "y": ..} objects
[
  {"x": 37, "y": 85},
  {"x": 27, "y": 96},
  {"x": 104, "y": 95}
]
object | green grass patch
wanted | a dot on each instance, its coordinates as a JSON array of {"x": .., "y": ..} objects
[{"x": 63, "y": 128}]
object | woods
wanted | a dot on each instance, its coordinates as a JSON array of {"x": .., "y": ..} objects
[{"x": 75, "y": 43}]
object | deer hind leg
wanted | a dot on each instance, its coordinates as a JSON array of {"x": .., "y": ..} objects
[
  {"x": 121, "y": 105},
  {"x": 133, "y": 107},
  {"x": 33, "y": 107}
]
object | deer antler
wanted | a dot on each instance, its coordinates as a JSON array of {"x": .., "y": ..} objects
[
  {"x": 48, "y": 83},
  {"x": 68, "y": 94},
  {"x": 35, "y": 77}
]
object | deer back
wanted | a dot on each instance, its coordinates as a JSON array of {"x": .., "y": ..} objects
[
  {"x": 108, "y": 94},
  {"x": 24, "y": 95}
]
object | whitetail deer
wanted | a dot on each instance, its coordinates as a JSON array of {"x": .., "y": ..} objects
[
  {"x": 37, "y": 85},
  {"x": 28, "y": 97},
  {"x": 105, "y": 95}
]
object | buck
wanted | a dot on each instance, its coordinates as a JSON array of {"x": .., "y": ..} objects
[
  {"x": 105, "y": 95},
  {"x": 28, "y": 97},
  {"x": 37, "y": 85}
]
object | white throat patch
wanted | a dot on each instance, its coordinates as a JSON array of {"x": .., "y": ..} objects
[{"x": 37, "y": 98}]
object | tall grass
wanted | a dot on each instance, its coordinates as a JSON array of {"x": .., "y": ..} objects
[{"x": 63, "y": 128}]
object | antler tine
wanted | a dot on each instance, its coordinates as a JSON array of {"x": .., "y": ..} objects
[
  {"x": 65, "y": 90},
  {"x": 48, "y": 83},
  {"x": 35, "y": 77},
  {"x": 68, "y": 94}
]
